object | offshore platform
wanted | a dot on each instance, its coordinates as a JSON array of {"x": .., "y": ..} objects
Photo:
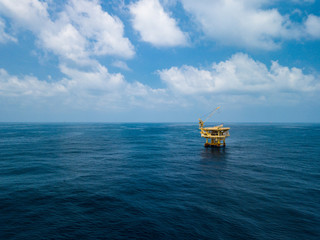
[{"x": 215, "y": 136}]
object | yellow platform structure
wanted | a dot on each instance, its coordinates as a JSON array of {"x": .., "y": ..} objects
[{"x": 215, "y": 136}]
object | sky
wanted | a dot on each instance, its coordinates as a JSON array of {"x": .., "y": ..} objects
[{"x": 159, "y": 60}]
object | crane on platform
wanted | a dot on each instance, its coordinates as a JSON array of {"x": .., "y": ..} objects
[
  {"x": 210, "y": 114},
  {"x": 216, "y": 134}
]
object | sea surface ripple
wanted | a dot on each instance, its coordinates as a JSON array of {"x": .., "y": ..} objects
[{"x": 157, "y": 181}]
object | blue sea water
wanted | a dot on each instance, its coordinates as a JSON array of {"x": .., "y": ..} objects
[{"x": 157, "y": 181}]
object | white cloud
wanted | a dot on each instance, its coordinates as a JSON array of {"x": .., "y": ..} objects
[
  {"x": 155, "y": 25},
  {"x": 12, "y": 86},
  {"x": 312, "y": 25},
  {"x": 239, "y": 75},
  {"x": 121, "y": 65},
  {"x": 243, "y": 23},
  {"x": 81, "y": 31},
  {"x": 5, "y": 37},
  {"x": 31, "y": 14},
  {"x": 65, "y": 41},
  {"x": 96, "y": 89},
  {"x": 303, "y": 1},
  {"x": 104, "y": 32},
  {"x": 238, "y": 79}
]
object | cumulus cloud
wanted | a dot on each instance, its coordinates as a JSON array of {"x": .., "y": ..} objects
[
  {"x": 5, "y": 37},
  {"x": 239, "y": 75},
  {"x": 245, "y": 23},
  {"x": 12, "y": 86},
  {"x": 31, "y": 14},
  {"x": 120, "y": 64},
  {"x": 155, "y": 25},
  {"x": 79, "y": 32},
  {"x": 312, "y": 26},
  {"x": 104, "y": 32},
  {"x": 83, "y": 89},
  {"x": 239, "y": 78}
]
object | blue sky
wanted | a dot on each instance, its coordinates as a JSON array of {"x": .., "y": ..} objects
[{"x": 159, "y": 60}]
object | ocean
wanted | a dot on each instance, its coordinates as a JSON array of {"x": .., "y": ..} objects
[{"x": 158, "y": 181}]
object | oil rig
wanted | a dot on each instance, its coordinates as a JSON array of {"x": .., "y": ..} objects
[{"x": 216, "y": 134}]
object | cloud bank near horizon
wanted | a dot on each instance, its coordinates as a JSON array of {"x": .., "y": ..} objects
[{"x": 237, "y": 77}]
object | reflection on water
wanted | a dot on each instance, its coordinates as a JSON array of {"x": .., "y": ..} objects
[{"x": 216, "y": 154}]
